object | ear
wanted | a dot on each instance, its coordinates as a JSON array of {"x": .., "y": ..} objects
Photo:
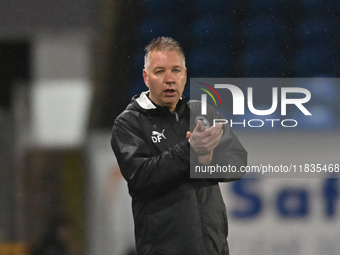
[{"x": 146, "y": 78}]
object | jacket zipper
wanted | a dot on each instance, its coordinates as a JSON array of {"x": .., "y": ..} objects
[{"x": 176, "y": 115}]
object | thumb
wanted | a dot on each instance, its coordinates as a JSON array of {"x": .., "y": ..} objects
[
  {"x": 188, "y": 135},
  {"x": 199, "y": 127}
]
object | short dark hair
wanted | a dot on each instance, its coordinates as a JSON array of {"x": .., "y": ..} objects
[{"x": 162, "y": 43}]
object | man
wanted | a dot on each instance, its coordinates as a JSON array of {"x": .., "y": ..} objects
[{"x": 151, "y": 139}]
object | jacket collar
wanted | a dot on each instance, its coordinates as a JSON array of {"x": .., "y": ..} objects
[{"x": 144, "y": 101}]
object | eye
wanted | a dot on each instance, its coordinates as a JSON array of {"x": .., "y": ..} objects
[
  {"x": 176, "y": 70},
  {"x": 159, "y": 72}
]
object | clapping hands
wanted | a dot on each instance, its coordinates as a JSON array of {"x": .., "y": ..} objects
[{"x": 204, "y": 141}]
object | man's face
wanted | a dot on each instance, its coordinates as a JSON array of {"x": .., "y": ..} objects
[{"x": 165, "y": 76}]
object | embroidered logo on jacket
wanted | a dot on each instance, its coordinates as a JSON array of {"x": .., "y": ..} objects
[{"x": 157, "y": 136}]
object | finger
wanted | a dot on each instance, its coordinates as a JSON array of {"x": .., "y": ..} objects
[
  {"x": 209, "y": 132},
  {"x": 214, "y": 140},
  {"x": 188, "y": 135},
  {"x": 213, "y": 129},
  {"x": 218, "y": 134},
  {"x": 199, "y": 127}
]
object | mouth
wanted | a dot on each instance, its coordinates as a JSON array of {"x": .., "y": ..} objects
[{"x": 169, "y": 92}]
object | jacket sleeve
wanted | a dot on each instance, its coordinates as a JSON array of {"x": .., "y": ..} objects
[{"x": 142, "y": 171}]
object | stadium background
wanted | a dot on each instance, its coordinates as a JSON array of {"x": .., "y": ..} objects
[{"x": 69, "y": 68}]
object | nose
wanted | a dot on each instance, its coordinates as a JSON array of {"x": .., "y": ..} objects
[{"x": 169, "y": 78}]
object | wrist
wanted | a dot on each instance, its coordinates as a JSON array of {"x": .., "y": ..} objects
[{"x": 205, "y": 159}]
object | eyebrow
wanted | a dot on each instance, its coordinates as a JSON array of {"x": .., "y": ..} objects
[{"x": 162, "y": 67}]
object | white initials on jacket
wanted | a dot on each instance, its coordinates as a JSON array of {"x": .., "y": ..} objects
[{"x": 157, "y": 136}]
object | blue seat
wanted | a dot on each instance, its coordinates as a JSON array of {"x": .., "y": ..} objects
[
  {"x": 264, "y": 62},
  {"x": 164, "y": 9},
  {"x": 276, "y": 9},
  {"x": 264, "y": 30},
  {"x": 217, "y": 7},
  {"x": 316, "y": 62},
  {"x": 209, "y": 62},
  {"x": 213, "y": 31},
  {"x": 138, "y": 60},
  {"x": 319, "y": 8},
  {"x": 152, "y": 28},
  {"x": 137, "y": 87},
  {"x": 318, "y": 31}
]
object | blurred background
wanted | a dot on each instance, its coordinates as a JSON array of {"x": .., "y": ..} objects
[{"x": 68, "y": 68}]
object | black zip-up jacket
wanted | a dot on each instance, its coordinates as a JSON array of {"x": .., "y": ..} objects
[{"x": 173, "y": 214}]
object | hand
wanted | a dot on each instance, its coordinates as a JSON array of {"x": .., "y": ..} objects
[{"x": 204, "y": 141}]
